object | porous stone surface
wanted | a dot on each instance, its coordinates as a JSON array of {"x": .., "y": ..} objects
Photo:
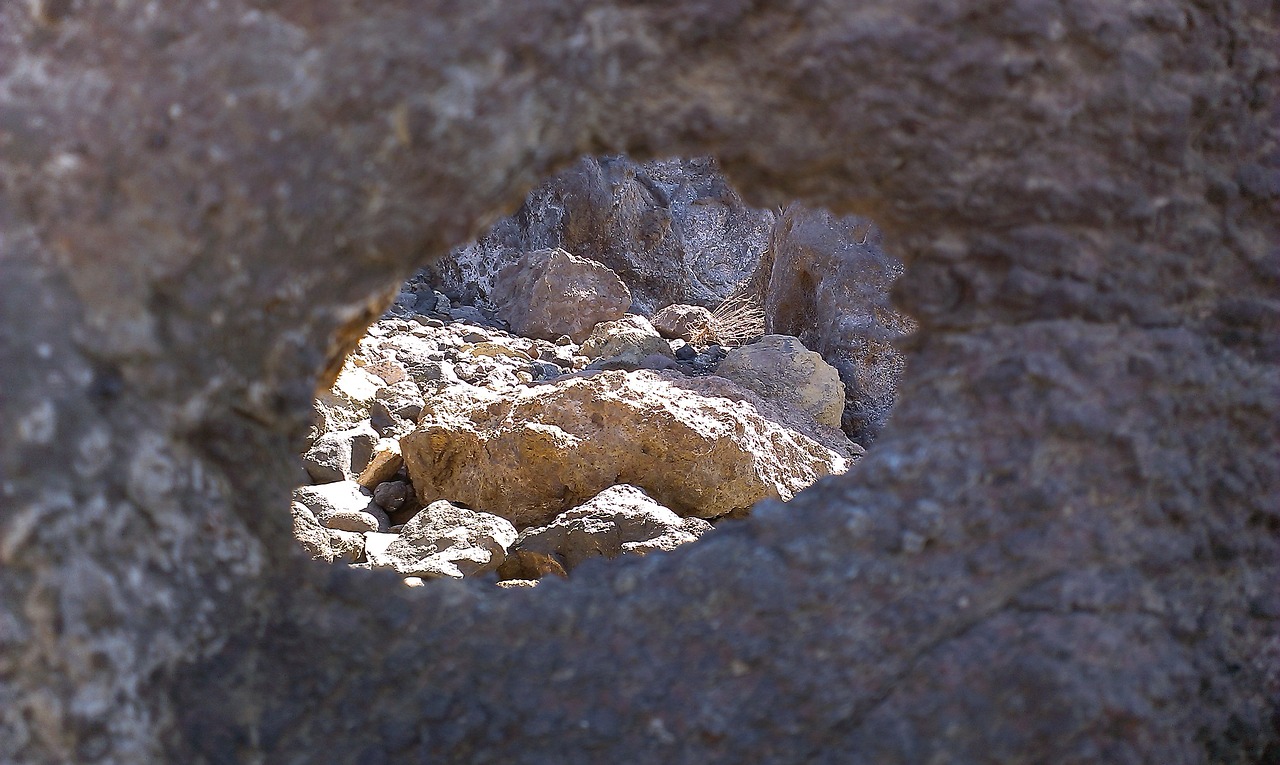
[
  {"x": 779, "y": 368},
  {"x": 1063, "y": 548},
  {"x": 444, "y": 540},
  {"x": 631, "y": 337},
  {"x": 549, "y": 293},
  {"x": 674, "y": 229},
  {"x": 620, "y": 520},
  {"x": 685, "y": 322},
  {"x": 697, "y": 445}
]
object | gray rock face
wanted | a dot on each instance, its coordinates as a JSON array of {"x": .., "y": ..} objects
[
  {"x": 828, "y": 281},
  {"x": 684, "y": 322},
  {"x": 632, "y": 338},
  {"x": 344, "y": 505},
  {"x": 675, "y": 230},
  {"x": 444, "y": 540},
  {"x": 339, "y": 455},
  {"x": 619, "y": 520},
  {"x": 549, "y": 293},
  {"x": 1063, "y": 547}
]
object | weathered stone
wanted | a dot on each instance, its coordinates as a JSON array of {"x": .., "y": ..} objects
[
  {"x": 683, "y": 322},
  {"x": 383, "y": 465},
  {"x": 781, "y": 369},
  {"x": 391, "y": 495},
  {"x": 675, "y": 230},
  {"x": 204, "y": 203},
  {"x": 549, "y": 293},
  {"x": 444, "y": 540},
  {"x": 340, "y": 456},
  {"x": 338, "y": 500},
  {"x": 826, "y": 280},
  {"x": 701, "y": 446},
  {"x": 632, "y": 337},
  {"x": 619, "y": 520}
]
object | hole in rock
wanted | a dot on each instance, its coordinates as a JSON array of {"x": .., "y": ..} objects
[{"x": 633, "y": 357}]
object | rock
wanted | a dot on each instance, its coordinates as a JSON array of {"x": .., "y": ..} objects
[
  {"x": 632, "y": 337},
  {"x": 396, "y": 407},
  {"x": 201, "y": 205},
  {"x": 345, "y": 505},
  {"x": 685, "y": 352},
  {"x": 329, "y": 545},
  {"x": 444, "y": 540},
  {"x": 702, "y": 446},
  {"x": 383, "y": 465},
  {"x": 544, "y": 371},
  {"x": 347, "y": 402},
  {"x": 619, "y": 520},
  {"x": 683, "y": 322},
  {"x": 549, "y": 293},
  {"x": 781, "y": 369},
  {"x": 340, "y": 456},
  {"x": 675, "y": 230},
  {"x": 529, "y": 565},
  {"x": 826, "y": 280},
  {"x": 391, "y": 372},
  {"x": 391, "y": 495}
]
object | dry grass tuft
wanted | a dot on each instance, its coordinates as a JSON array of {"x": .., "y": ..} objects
[{"x": 737, "y": 321}]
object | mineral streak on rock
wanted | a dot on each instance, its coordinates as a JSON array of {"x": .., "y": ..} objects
[{"x": 1064, "y": 547}]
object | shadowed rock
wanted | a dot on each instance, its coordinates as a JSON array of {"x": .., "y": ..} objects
[{"x": 1064, "y": 547}]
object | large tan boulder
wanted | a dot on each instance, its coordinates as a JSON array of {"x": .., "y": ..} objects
[
  {"x": 700, "y": 446},
  {"x": 780, "y": 368},
  {"x": 549, "y": 293}
]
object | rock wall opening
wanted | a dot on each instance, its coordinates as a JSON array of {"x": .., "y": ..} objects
[{"x": 633, "y": 357}]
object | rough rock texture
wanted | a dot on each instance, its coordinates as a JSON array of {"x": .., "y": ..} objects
[
  {"x": 826, "y": 279},
  {"x": 779, "y": 368},
  {"x": 535, "y": 452},
  {"x": 1064, "y": 547},
  {"x": 675, "y": 230},
  {"x": 631, "y": 336},
  {"x": 619, "y": 520},
  {"x": 685, "y": 322},
  {"x": 444, "y": 540},
  {"x": 549, "y": 293},
  {"x": 343, "y": 505}
]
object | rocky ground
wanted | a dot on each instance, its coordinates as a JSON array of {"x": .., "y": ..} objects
[{"x": 462, "y": 441}]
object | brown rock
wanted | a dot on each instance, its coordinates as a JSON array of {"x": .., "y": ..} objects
[
  {"x": 549, "y": 293},
  {"x": 383, "y": 465},
  {"x": 682, "y": 322},
  {"x": 547, "y": 448}
]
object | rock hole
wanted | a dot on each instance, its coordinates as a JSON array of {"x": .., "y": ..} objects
[{"x": 633, "y": 357}]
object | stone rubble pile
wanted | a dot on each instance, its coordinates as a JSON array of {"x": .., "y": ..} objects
[{"x": 451, "y": 445}]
